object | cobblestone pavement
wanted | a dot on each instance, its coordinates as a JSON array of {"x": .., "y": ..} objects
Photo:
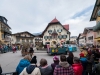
[{"x": 10, "y": 60}]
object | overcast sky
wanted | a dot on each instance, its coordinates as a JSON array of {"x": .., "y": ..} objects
[{"x": 34, "y": 15}]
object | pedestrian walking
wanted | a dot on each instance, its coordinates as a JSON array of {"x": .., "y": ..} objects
[{"x": 31, "y": 51}]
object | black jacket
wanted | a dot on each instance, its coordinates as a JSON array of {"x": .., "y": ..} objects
[
  {"x": 70, "y": 60},
  {"x": 0, "y": 70}
]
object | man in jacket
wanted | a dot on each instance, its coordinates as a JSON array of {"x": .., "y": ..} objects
[
  {"x": 77, "y": 66},
  {"x": 96, "y": 69},
  {"x": 63, "y": 68}
]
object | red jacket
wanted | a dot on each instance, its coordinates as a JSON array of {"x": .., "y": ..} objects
[{"x": 78, "y": 69}]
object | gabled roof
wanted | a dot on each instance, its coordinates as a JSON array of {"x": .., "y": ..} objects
[
  {"x": 54, "y": 21},
  {"x": 87, "y": 29},
  {"x": 22, "y": 33},
  {"x": 95, "y": 10},
  {"x": 2, "y": 20},
  {"x": 66, "y": 26}
]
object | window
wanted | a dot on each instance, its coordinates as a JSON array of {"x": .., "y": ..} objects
[
  {"x": 2, "y": 36},
  {"x": 27, "y": 40},
  {"x": 90, "y": 38},
  {"x": 59, "y": 30},
  {"x": 49, "y": 31},
  {"x": 18, "y": 40},
  {"x": 23, "y": 40},
  {"x": 45, "y": 37}
]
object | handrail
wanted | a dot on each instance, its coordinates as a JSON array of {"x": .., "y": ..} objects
[{"x": 10, "y": 73}]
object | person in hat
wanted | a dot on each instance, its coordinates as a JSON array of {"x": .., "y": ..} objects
[
  {"x": 83, "y": 60},
  {"x": 32, "y": 69},
  {"x": 23, "y": 63},
  {"x": 56, "y": 62}
]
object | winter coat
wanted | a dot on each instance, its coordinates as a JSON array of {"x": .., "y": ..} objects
[
  {"x": 89, "y": 64},
  {"x": 84, "y": 62},
  {"x": 47, "y": 70},
  {"x": 22, "y": 64},
  {"x": 53, "y": 65},
  {"x": 96, "y": 69},
  {"x": 31, "y": 70},
  {"x": 0, "y": 70},
  {"x": 78, "y": 69},
  {"x": 70, "y": 60},
  {"x": 63, "y": 69}
]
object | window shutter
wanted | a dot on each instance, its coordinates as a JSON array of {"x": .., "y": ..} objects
[
  {"x": 58, "y": 36},
  {"x": 66, "y": 36},
  {"x": 2, "y": 36}
]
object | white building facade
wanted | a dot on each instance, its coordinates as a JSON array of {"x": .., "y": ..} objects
[
  {"x": 22, "y": 37},
  {"x": 55, "y": 33}
]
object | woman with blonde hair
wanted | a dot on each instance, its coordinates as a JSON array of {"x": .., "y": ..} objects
[{"x": 23, "y": 63}]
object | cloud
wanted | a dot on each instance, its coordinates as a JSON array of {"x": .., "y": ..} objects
[
  {"x": 34, "y": 15},
  {"x": 83, "y": 12}
]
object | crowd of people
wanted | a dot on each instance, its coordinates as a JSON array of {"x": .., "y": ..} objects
[
  {"x": 9, "y": 48},
  {"x": 87, "y": 64}
]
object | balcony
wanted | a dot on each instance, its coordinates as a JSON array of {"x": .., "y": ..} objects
[
  {"x": 97, "y": 27},
  {"x": 5, "y": 30},
  {"x": 7, "y": 39}
]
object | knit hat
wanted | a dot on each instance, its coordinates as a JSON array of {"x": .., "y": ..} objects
[
  {"x": 81, "y": 54},
  {"x": 34, "y": 60},
  {"x": 55, "y": 58}
]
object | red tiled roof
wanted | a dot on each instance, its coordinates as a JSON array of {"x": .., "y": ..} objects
[
  {"x": 54, "y": 20},
  {"x": 66, "y": 26}
]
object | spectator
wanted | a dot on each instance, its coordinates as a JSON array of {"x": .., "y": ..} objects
[
  {"x": 83, "y": 60},
  {"x": 0, "y": 70},
  {"x": 56, "y": 62},
  {"x": 70, "y": 58},
  {"x": 32, "y": 69},
  {"x": 77, "y": 66},
  {"x": 23, "y": 63},
  {"x": 90, "y": 60},
  {"x": 45, "y": 69},
  {"x": 96, "y": 69},
  {"x": 63, "y": 68}
]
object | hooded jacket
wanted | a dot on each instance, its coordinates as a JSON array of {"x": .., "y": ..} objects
[
  {"x": 31, "y": 70},
  {"x": 47, "y": 70},
  {"x": 63, "y": 69},
  {"x": 22, "y": 64},
  {"x": 78, "y": 69},
  {"x": 84, "y": 62}
]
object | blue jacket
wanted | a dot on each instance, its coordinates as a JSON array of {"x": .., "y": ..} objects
[
  {"x": 84, "y": 62},
  {"x": 22, "y": 64}
]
